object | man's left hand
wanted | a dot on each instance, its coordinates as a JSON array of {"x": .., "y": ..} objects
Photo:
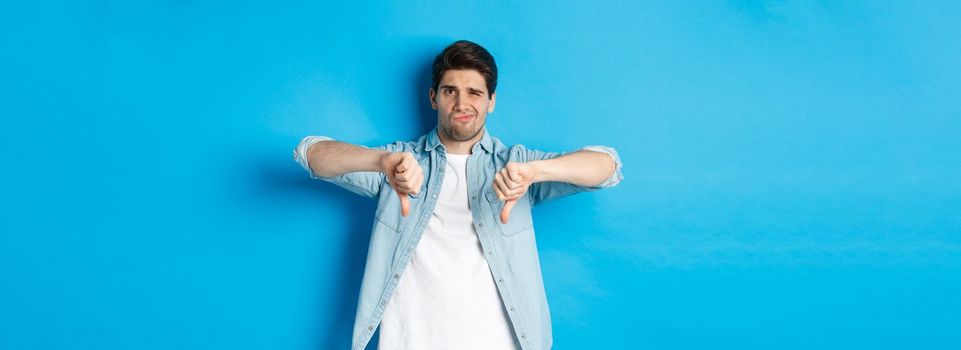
[{"x": 511, "y": 182}]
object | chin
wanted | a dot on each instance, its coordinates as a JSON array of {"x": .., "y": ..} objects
[{"x": 460, "y": 135}]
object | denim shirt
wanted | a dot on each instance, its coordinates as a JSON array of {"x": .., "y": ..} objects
[{"x": 510, "y": 248}]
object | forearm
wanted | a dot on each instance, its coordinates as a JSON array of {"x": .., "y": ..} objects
[
  {"x": 582, "y": 168},
  {"x": 334, "y": 158}
]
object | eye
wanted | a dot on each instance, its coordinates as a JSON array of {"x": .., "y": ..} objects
[
  {"x": 449, "y": 91},
  {"x": 476, "y": 93}
]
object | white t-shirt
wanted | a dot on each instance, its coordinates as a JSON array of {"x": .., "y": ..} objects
[{"x": 446, "y": 298}]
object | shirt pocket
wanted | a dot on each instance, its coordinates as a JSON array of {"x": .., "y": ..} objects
[
  {"x": 388, "y": 211},
  {"x": 519, "y": 219},
  {"x": 388, "y": 208}
]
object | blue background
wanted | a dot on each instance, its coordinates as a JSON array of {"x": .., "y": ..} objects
[{"x": 791, "y": 167}]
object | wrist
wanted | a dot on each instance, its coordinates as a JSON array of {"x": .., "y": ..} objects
[
  {"x": 541, "y": 171},
  {"x": 383, "y": 161}
]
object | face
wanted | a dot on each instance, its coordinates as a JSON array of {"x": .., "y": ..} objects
[{"x": 462, "y": 103}]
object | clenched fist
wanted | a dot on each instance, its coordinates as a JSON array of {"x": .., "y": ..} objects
[
  {"x": 404, "y": 175},
  {"x": 511, "y": 182}
]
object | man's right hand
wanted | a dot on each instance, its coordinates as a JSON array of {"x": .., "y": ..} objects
[{"x": 404, "y": 175}]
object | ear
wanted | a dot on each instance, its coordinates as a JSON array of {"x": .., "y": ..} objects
[
  {"x": 490, "y": 105},
  {"x": 430, "y": 95}
]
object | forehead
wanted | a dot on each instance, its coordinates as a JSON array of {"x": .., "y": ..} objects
[{"x": 464, "y": 78}]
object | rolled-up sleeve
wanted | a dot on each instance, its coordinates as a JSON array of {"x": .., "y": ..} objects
[
  {"x": 300, "y": 153},
  {"x": 617, "y": 176}
]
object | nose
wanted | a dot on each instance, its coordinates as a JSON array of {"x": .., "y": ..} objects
[{"x": 461, "y": 105}]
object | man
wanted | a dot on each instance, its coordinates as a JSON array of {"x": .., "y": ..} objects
[{"x": 452, "y": 262}]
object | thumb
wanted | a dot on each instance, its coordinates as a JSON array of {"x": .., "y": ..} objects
[
  {"x": 404, "y": 204},
  {"x": 506, "y": 211}
]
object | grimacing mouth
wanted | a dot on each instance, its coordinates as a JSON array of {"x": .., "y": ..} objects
[{"x": 453, "y": 115}]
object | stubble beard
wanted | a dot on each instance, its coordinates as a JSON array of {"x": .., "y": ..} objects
[{"x": 462, "y": 133}]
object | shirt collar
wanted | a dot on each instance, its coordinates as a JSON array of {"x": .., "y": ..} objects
[{"x": 486, "y": 142}]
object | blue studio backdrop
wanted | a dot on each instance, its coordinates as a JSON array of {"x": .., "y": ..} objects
[{"x": 791, "y": 167}]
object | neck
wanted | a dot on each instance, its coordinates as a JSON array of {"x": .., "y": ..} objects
[{"x": 460, "y": 147}]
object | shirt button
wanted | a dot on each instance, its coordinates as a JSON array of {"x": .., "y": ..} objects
[
  {"x": 370, "y": 328},
  {"x": 480, "y": 224},
  {"x": 501, "y": 280},
  {"x": 474, "y": 197},
  {"x": 524, "y": 336},
  {"x": 396, "y": 276},
  {"x": 490, "y": 252},
  {"x": 512, "y": 309}
]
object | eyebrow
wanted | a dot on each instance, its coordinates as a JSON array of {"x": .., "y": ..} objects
[{"x": 469, "y": 89}]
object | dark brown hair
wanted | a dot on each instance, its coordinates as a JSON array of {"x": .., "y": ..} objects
[{"x": 463, "y": 54}]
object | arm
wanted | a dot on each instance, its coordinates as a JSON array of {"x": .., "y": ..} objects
[
  {"x": 360, "y": 169},
  {"x": 330, "y": 158},
  {"x": 553, "y": 175},
  {"x": 581, "y": 168}
]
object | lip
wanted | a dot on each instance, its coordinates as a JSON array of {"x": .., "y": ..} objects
[{"x": 463, "y": 118}]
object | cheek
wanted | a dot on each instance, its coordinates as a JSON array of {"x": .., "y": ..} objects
[{"x": 481, "y": 107}]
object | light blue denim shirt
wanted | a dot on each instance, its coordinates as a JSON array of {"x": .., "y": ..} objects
[{"x": 510, "y": 248}]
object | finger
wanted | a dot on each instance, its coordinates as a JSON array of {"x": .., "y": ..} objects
[
  {"x": 408, "y": 162},
  {"x": 500, "y": 193},
  {"x": 515, "y": 175},
  {"x": 512, "y": 185},
  {"x": 514, "y": 197},
  {"x": 404, "y": 204},
  {"x": 400, "y": 177},
  {"x": 402, "y": 165},
  {"x": 392, "y": 180},
  {"x": 413, "y": 180},
  {"x": 410, "y": 188},
  {"x": 514, "y": 191},
  {"x": 506, "y": 211},
  {"x": 500, "y": 187},
  {"x": 409, "y": 175},
  {"x": 415, "y": 172},
  {"x": 406, "y": 186},
  {"x": 509, "y": 184},
  {"x": 418, "y": 183},
  {"x": 513, "y": 182}
]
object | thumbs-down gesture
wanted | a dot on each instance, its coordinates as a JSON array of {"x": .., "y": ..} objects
[
  {"x": 511, "y": 182},
  {"x": 404, "y": 175}
]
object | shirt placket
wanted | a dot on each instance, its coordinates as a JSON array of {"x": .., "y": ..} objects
[
  {"x": 483, "y": 223},
  {"x": 436, "y": 179}
]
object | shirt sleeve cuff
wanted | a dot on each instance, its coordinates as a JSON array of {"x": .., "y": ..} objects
[
  {"x": 617, "y": 176},
  {"x": 300, "y": 153}
]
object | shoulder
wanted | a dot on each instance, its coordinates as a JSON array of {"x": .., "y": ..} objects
[
  {"x": 515, "y": 152},
  {"x": 416, "y": 146}
]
